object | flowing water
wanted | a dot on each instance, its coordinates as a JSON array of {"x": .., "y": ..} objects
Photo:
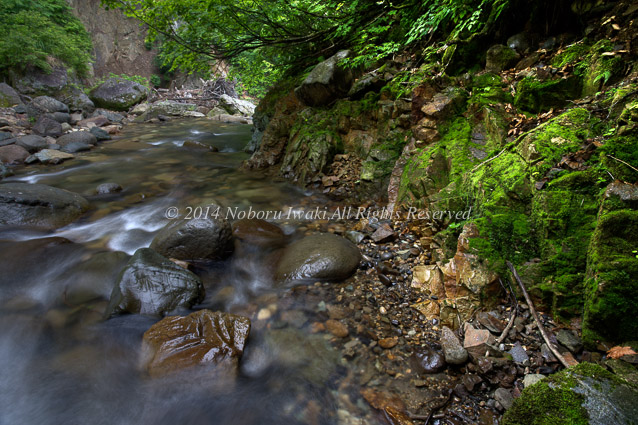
[{"x": 61, "y": 363}]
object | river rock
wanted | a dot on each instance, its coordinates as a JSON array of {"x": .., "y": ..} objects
[
  {"x": 519, "y": 355},
  {"x": 77, "y": 137},
  {"x": 45, "y": 104},
  {"x": 61, "y": 117},
  {"x": 153, "y": 285},
  {"x": 168, "y": 107},
  {"x": 259, "y": 233},
  {"x": 532, "y": 378},
  {"x": 569, "y": 341},
  {"x": 39, "y": 205},
  {"x": 109, "y": 115},
  {"x": 337, "y": 328},
  {"x": 327, "y": 82},
  {"x": 108, "y": 188},
  {"x": 204, "y": 338},
  {"x": 426, "y": 360},
  {"x": 32, "y": 143},
  {"x": 452, "y": 348},
  {"x": 75, "y": 147},
  {"x": 429, "y": 279},
  {"x": 477, "y": 340},
  {"x": 582, "y": 394},
  {"x": 100, "y": 134},
  {"x": 13, "y": 154},
  {"x": 319, "y": 257},
  {"x": 8, "y": 96},
  {"x": 5, "y": 171},
  {"x": 118, "y": 94},
  {"x": 52, "y": 156},
  {"x": 504, "y": 397},
  {"x": 197, "y": 239},
  {"x": 237, "y": 106},
  {"x": 37, "y": 82}
]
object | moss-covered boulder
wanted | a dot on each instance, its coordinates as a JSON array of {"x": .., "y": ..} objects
[
  {"x": 500, "y": 57},
  {"x": 118, "y": 94},
  {"x": 533, "y": 95},
  {"x": 581, "y": 395},
  {"x": 612, "y": 279}
]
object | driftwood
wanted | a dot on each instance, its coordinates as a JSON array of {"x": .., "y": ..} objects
[{"x": 535, "y": 315}]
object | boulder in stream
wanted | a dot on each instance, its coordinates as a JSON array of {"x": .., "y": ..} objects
[
  {"x": 204, "y": 338},
  {"x": 23, "y": 204},
  {"x": 198, "y": 239},
  {"x": 118, "y": 94},
  {"x": 153, "y": 285},
  {"x": 319, "y": 257}
]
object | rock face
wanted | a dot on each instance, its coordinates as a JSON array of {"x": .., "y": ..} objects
[
  {"x": 204, "y": 338},
  {"x": 237, "y": 106},
  {"x": 118, "y": 94},
  {"x": 153, "y": 285},
  {"x": 583, "y": 394},
  {"x": 39, "y": 205},
  {"x": 325, "y": 257},
  {"x": 327, "y": 82},
  {"x": 202, "y": 239}
]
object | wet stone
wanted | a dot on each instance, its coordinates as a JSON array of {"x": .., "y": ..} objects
[
  {"x": 426, "y": 360},
  {"x": 518, "y": 353},
  {"x": 337, "y": 328}
]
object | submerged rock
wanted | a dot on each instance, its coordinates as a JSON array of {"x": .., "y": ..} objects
[
  {"x": 324, "y": 257},
  {"x": 23, "y": 204},
  {"x": 153, "y": 285},
  {"x": 583, "y": 394},
  {"x": 427, "y": 360},
  {"x": 259, "y": 233},
  {"x": 198, "y": 239},
  {"x": 203, "y": 338}
]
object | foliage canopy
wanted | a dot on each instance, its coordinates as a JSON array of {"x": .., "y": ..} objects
[{"x": 34, "y": 31}]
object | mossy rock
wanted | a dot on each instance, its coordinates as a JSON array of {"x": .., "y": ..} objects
[
  {"x": 612, "y": 279},
  {"x": 537, "y": 96},
  {"x": 581, "y": 395}
]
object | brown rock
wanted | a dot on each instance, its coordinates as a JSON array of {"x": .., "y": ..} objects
[
  {"x": 429, "y": 279},
  {"x": 259, "y": 232},
  {"x": 337, "y": 328},
  {"x": 383, "y": 234},
  {"x": 203, "y": 338},
  {"x": 429, "y": 308},
  {"x": 476, "y": 340},
  {"x": 388, "y": 342},
  {"x": 97, "y": 121},
  {"x": 13, "y": 154}
]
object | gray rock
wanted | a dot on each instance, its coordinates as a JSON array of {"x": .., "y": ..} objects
[
  {"x": 77, "y": 100},
  {"x": 118, "y": 94},
  {"x": 452, "y": 348},
  {"x": 518, "y": 353},
  {"x": 61, "y": 117},
  {"x": 108, "y": 188},
  {"x": 46, "y": 126},
  {"x": 36, "y": 82},
  {"x": 153, "y": 285},
  {"x": 8, "y": 96},
  {"x": 13, "y": 154},
  {"x": 5, "y": 135},
  {"x": 532, "y": 378},
  {"x": 109, "y": 115},
  {"x": 169, "y": 107},
  {"x": 504, "y": 397},
  {"x": 66, "y": 127},
  {"x": 52, "y": 156},
  {"x": 519, "y": 42},
  {"x": 77, "y": 137},
  {"x": 45, "y": 104},
  {"x": 237, "y": 106},
  {"x": 327, "y": 82},
  {"x": 20, "y": 109},
  {"x": 201, "y": 239},
  {"x": 569, "y": 341},
  {"x": 355, "y": 237},
  {"x": 100, "y": 134},
  {"x": 75, "y": 147},
  {"x": 547, "y": 354},
  {"x": 32, "y": 143},
  {"x": 39, "y": 205},
  {"x": 500, "y": 58},
  {"x": 318, "y": 257}
]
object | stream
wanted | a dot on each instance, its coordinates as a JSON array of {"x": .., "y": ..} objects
[{"x": 61, "y": 363}]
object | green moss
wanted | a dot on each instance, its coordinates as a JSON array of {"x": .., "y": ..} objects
[
  {"x": 612, "y": 279},
  {"x": 540, "y": 96},
  {"x": 572, "y": 55}
]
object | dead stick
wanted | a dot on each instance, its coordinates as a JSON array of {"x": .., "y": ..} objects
[
  {"x": 508, "y": 327},
  {"x": 535, "y": 315},
  {"x": 623, "y": 162}
]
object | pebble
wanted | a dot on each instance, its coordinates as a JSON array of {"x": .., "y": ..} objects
[
  {"x": 388, "y": 343},
  {"x": 337, "y": 328}
]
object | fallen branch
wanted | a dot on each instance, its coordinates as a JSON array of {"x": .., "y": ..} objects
[
  {"x": 535, "y": 315},
  {"x": 488, "y": 160},
  {"x": 508, "y": 327},
  {"x": 623, "y": 162}
]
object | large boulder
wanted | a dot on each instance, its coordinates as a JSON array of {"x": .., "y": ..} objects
[
  {"x": 327, "y": 82},
  {"x": 84, "y": 137},
  {"x": 166, "y": 107},
  {"x": 153, "y": 285},
  {"x": 318, "y": 257},
  {"x": 118, "y": 94},
  {"x": 200, "y": 239},
  {"x": 37, "y": 82},
  {"x": 77, "y": 100},
  {"x": 237, "y": 106},
  {"x": 583, "y": 394},
  {"x": 13, "y": 154},
  {"x": 204, "y": 338},
  {"x": 39, "y": 205},
  {"x": 8, "y": 96},
  {"x": 32, "y": 143},
  {"x": 500, "y": 58}
]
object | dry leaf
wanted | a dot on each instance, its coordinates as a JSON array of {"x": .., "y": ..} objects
[
  {"x": 618, "y": 351},
  {"x": 616, "y": 27}
]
